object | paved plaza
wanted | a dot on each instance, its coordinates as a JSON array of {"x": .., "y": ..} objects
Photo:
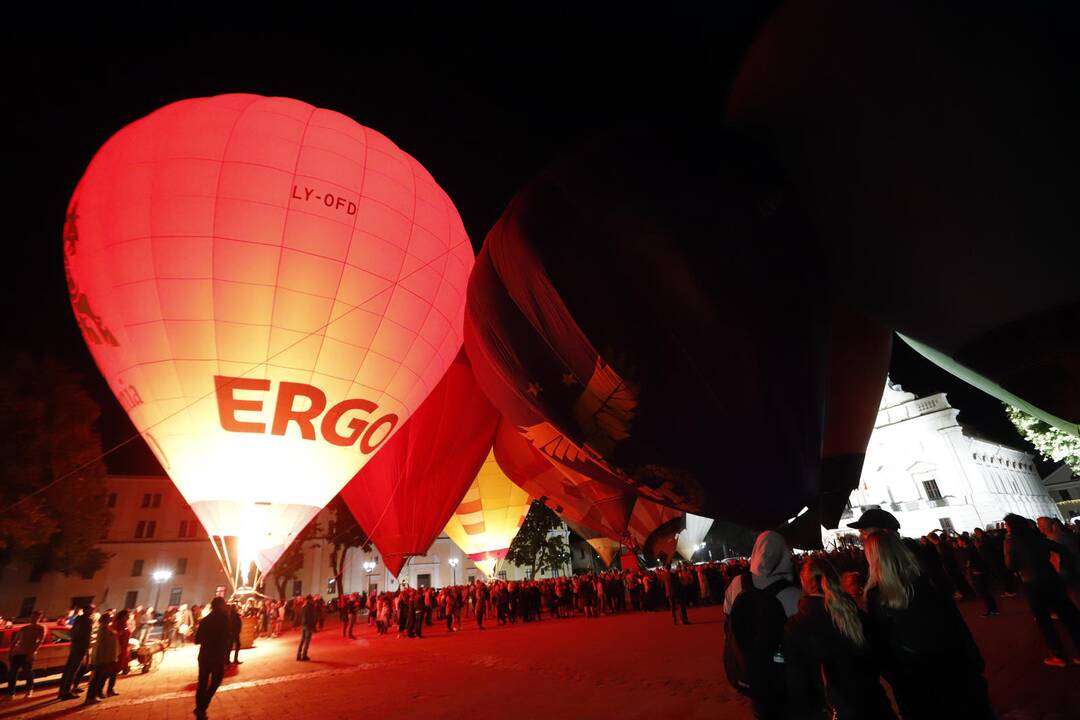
[{"x": 633, "y": 666}]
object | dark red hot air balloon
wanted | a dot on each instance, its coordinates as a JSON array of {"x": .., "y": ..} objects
[{"x": 406, "y": 494}]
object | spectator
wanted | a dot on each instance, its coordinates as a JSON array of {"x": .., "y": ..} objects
[
  {"x": 1028, "y": 554},
  {"x": 827, "y": 659},
  {"x": 213, "y": 637},
  {"x": 922, "y": 644},
  {"x": 103, "y": 659},
  {"x": 309, "y": 619},
  {"x": 81, "y": 630},
  {"x": 24, "y": 647}
]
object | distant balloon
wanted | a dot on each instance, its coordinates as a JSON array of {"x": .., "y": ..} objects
[
  {"x": 697, "y": 527},
  {"x": 271, "y": 290},
  {"x": 407, "y": 493},
  {"x": 592, "y": 509},
  {"x": 650, "y": 315},
  {"x": 605, "y": 547},
  {"x": 488, "y": 518},
  {"x": 936, "y": 151}
]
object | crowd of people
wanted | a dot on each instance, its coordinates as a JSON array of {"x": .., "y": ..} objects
[{"x": 807, "y": 635}]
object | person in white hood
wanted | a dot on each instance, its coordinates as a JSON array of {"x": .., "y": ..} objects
[{"x": 769, "y": 563}]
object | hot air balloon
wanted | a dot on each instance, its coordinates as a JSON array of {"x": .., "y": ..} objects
[
  {"x": 649, "y": 314},
  {"x": 607, "y": 548},
  {"x": 270, "y": 289},
  {"x": 489, "y": 516},
  {"x": 407, "y": 493},
  {"x": 935, "y": 149},
  {"x": 697, "y": 527},
  {"x": 591, "y": 508}
]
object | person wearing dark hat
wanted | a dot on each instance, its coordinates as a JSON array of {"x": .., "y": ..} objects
[{"x": 875, "y": 519}]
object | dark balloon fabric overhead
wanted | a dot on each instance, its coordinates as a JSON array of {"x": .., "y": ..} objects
[
  {"x": 650, "y": 315},
  {"x": 406, "y": 494},
  {"x": 935, "y": 145}
]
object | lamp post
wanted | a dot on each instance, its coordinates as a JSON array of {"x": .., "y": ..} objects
[
  {"x": 453, "y": 568},
  {"x": 160, "y": 577}
]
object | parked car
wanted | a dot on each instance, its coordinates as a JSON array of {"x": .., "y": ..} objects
[{"x": 51, "y": 656}]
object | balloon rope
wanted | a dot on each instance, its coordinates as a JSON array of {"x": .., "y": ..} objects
[{"x": 321, "y": 328}]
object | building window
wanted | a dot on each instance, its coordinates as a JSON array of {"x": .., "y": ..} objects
[
  {"x": 140, "y": 528},
  {"x": 297, "y": 588},
  {"x": 946, "y": 524},
  {"x": 931, "y": 489},
  {"x": 151, "y": 526},
  {"x": 80, "y": 600},
  {"x": 174, "y": 596},
  {"x": 472, "y": 579},
  {"x": 1065, "y": 495},
  {"x": 181, "y": 566},
  {"x": 156, "y": 501},
  {"x": 136, "y": 568},
  {"x": 27, "y": 607},
  {"x": 187, "y": 528},
  {"x": 146, "y": 500},
  {"x": 502, "y": 574},
  {"x": 131, "y": 599},
  {"x": 423, "y": 580},
  {"x": 183, "y": 528},
  {"x": 110, "y": 500}
]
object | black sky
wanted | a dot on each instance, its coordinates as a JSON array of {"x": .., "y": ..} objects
[{"x": 483, "y": 99}]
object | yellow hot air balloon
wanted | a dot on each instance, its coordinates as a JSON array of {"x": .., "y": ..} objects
[{"x": 488, "y": 518}]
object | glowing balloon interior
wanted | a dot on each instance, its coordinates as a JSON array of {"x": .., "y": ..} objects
[
  {"x": 488, "y": 518},
  {"x": 270, "y": 289},
  {"x": 697, "y": 527}
]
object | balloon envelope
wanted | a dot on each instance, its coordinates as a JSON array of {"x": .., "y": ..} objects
[
  {"x": 936, "y": 151},
  {"x": 407, "y": 493},
  {"x": 697, "y": 527},
  {"x": 489, "y": 516},
  {"x": 646, "y": 311},
  {"x": 270, "y": 289}
]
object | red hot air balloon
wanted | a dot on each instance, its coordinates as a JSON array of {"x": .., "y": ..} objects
[
  {"x": 271, "y": 290},
  {"x": 407, "y": 493},
  {"x": 591, "y": 508}
]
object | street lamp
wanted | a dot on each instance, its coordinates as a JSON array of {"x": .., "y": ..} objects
[
  {"x": 160, "y": 577},
  {"x": 453, "y": 568}
]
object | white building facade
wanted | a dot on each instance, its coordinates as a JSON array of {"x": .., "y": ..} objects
[
  {"x": 155, "y": 531},
  {"x": 930, "y": 472},
  {"x": 1064, "y": 489}
]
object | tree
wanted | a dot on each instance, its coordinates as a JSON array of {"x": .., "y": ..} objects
[
  {"x": 1052, "y": 443},
  {"x": 342, "y": 533},
  {"x": 52, "y": 498},
  {"x": 537, "y": 546},
  {"x": 292, "y": 560}
]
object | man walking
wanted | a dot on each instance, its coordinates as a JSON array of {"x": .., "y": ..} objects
[
  {"x": 80, "y": 645},
  {"x": 24, "y": 646},
  {"x": 309, "y": 618},
  {"x": 213, "y": 638}
]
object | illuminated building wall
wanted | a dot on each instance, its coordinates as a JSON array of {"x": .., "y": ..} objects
[{"x": 931, "y": 472}]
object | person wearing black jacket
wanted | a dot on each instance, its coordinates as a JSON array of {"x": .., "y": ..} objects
[
  {"x": 80, "y": 645},
  {"x": 1027, "y": 552},
  {"x": 922, "y": 644},
  {"x": 235, "y": 623},
  {"x": 309, "y": 619},
  {"x": 828, "y": 663},
  {"x": 213, "y": 638}
]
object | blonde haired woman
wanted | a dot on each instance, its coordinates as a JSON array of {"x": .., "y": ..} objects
[
  {"x": 830, "y": 670},
  {"x": 923, "y": 646}
]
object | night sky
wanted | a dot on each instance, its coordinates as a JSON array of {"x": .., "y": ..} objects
[{"x": 484, "y": 100}]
